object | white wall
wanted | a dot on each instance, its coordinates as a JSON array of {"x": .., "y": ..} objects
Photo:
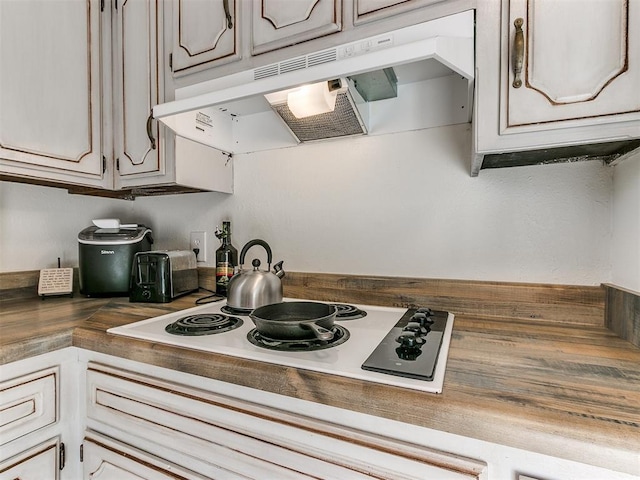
[
  {"x": 40, "y": 224},
  {"x": 401, "y": 205},
  {"x": 625, "y": 245}
]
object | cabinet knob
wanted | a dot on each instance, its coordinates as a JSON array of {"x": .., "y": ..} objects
[{"x": 518, "y": 53}]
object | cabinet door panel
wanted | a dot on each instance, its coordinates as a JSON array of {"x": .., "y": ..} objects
[
  {"x": 580, "y": 60},
  {"x": 138, "y": 86},
  {"x": 202, "y": 34},
  {"x": 28, "y": 403},
  {"x": 105, "y": 459},
  {"x": 367, "y": 10},
  {"x": 279, "y": 23},
  {"x": 37, "y": 463},
  {"x": 50, "y": 89}
]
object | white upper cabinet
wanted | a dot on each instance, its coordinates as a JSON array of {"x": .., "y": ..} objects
[
  {"x": 556, "y": 74},
  {"x": 51, "y": 90},
  {"x": 368, "y": 10},
  {"x": 149, "y": 160},
  {"x": 138, "y": 86},
  {"x": 576, "y": 60},
  {"x": 205, "y": 34},
  {"x": 280, "y": 23}
]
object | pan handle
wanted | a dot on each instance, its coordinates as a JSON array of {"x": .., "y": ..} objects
[
  {"x": 252, "y": 243},
  {"x": 320, "y": 332}
]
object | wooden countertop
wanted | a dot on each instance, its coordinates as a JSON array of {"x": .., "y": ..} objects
[{"x": 562, "y": 389}]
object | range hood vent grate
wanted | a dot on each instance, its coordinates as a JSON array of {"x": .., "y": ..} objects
[
  {"x": 344, "y": 121},
  {"x": 298, "y": 63}
]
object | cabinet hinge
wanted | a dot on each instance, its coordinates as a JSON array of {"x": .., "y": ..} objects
[
  {"x": 117, "y": 164},
  {"x": 102, "y": 5},
  {"x": 104, "y": 164},
  {"x": 171, "y": 62},
  {"x": 82, "y": 452},
  {"x": 116, "y": 4},
  {"x": 61, "y": 456}
]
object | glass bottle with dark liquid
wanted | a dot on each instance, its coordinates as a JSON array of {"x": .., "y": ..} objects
[{"x": 226, "y": 259}]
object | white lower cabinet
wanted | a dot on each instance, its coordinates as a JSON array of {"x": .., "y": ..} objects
[
  {"x": 40, "y": 416},
  {"x": 74, "y": 414},
  {"x": 37, "y": 463},
  {"x": 28, "y": 403},
  {"x": 223, "y": 437},
  {"x": 201, "y": 426},
  {"x": 106, "y": 459}
]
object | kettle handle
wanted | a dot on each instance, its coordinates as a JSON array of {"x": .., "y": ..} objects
[{"x": 252, "y": 243}]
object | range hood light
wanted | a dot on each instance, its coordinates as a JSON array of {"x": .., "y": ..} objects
[{"x": 310, "y": 100}]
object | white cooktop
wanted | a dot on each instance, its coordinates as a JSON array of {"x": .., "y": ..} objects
[{"x": 344, "y": 360}]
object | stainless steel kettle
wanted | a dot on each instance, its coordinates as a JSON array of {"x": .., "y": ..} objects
[{"x": 249, "y": 289}]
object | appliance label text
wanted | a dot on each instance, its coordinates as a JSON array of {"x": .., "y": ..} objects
[{"x": 107, "y": 252}]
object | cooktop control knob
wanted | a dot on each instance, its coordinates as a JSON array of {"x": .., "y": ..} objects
[
  {"x": 427, "y": 311},
  {"x": 416, "y": 328},
  {"x": 408, "y": 353},
  {"x": 409, "y": 340},
  {"x": 422, "y": 319},
  {"x": 410, "y": 344}
]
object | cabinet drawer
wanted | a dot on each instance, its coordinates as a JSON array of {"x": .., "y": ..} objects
[
  {"x": 251, "y": 439},
  {"x": 28, "y": 403}
]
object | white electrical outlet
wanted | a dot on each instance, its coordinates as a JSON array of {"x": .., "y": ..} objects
[{"x": 199, "y": 241}]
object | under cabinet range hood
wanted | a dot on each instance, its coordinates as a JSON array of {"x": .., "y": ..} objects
[{"x": 408, "y": 79}]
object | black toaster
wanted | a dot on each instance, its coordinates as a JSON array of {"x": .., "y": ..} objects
[{"x": 161, "y": 276}]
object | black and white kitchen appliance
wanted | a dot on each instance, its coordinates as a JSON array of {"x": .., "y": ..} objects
[
  {"x": 392, "y": 346},
  {"x": 106, "y": 255},
  {"x": 161, "y": 276}
]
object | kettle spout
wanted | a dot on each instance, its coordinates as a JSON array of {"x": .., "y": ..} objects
[{"x": 277, "y": 269}]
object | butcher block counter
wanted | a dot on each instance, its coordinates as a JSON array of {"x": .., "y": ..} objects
[{"x": 523, "y": 371}]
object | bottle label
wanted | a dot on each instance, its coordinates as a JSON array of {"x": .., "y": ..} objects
[{"x": 224, "y": 271}]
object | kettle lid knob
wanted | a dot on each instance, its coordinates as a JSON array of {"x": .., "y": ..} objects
[{"x": 256, "y": 263}]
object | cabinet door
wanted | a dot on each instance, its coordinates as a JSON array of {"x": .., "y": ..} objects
[
  {"x": 138, "y": 86},
  {"x": 105, "y": 459},
  {"x": 579, "y": 60},
  {"x": 279, "y": 23},
  {"x": 367, "y": 10},
  {"x": 50, "y": 90},
  {"x": 205, "y": 34},
  {"x": 37, "y": 463},
  {"x": 578, "y": 96}
]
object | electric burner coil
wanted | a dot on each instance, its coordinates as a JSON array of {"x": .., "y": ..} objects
[
  {"x": 348, "y": 312},
  {"x": 340, "y": 335},
  {"x": 203, "y": 324}
]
